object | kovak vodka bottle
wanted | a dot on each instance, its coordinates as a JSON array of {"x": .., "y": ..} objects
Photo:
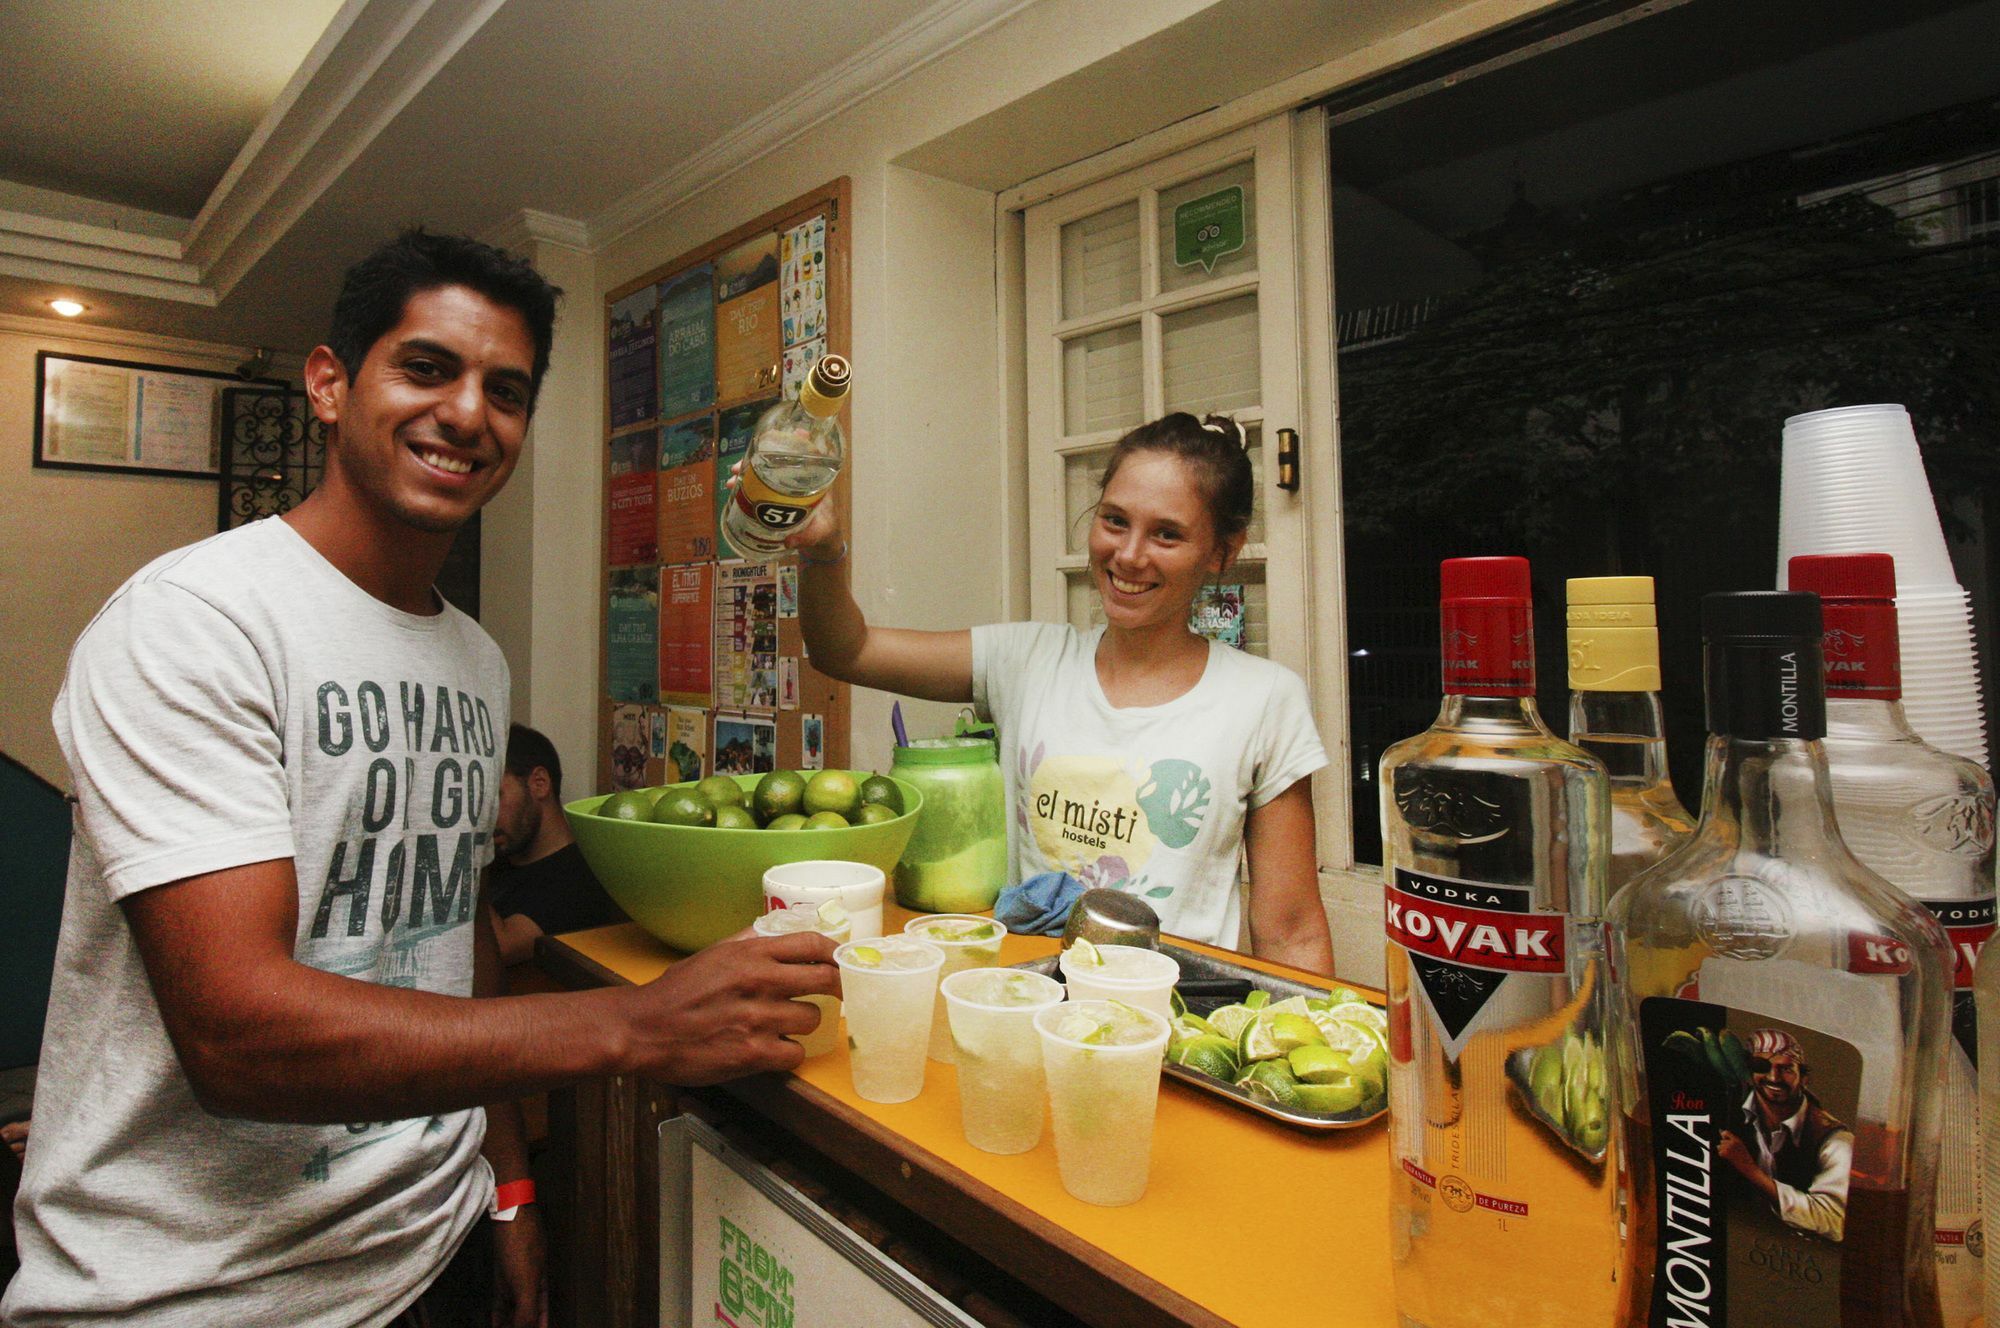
[
  {"x": 1780, "y": 1016},
  {"x": 795, "y": 454},
  {"x": 1922, "y": 819},
  {"x": 1614, "y": 714},
  {"x": 1494, "y": 840}
]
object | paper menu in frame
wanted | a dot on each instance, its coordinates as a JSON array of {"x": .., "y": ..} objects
[
  {"x": 746, "y": 637},
  {"x": 632, "y": 648},
  {"x": 687, "y": 342},
  {"x": 687, "y": 525},
  {"x": 802, "y": 281},
  {"x": 634, "y": 326},
  {"x": 687, "y": 744},
  {"x": 736, "y": 426},
  {"x": 659, "y": 720},
  {"x": 749, "y": 265},
  {"x": 788, "y": 682},
  {"x": 686, "y": 635},
  {"x": 634, "y": 452}
]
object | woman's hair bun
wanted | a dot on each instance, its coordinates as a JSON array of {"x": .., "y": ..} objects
[{"x": 1225, "y": 426}]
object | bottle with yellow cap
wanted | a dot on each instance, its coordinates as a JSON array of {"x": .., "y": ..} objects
[
  {"x": 1614, "y": 714},
  {"x": 795, "y": 454}
]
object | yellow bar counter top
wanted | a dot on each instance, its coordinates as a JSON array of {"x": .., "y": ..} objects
[{"x": 1245, "y": 1220}]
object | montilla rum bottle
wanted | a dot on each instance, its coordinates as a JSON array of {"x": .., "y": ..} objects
[
  {"x": 1780, "y": 1016},
  {"x": 1494, "y": 840}
]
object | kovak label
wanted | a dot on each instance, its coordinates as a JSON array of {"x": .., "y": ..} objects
[
  {"x": 1968, "y": 925},
  {"x": 1466, "y": 938}
]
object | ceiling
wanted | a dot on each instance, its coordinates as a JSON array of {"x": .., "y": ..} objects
[{"x": 207, "y": 168}]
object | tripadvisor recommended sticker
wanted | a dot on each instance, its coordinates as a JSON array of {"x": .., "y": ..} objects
[{"x": 1208, "y": 228}]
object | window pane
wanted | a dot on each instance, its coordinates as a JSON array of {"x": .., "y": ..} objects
[
  {"x": 1572, "y": 328},
  {"x": 1100, "y": 261},
  {"x": 1253, "y": 443},
  {"x": 1083, "y": 480},
  {"x": 1101, "y": 383},
  {"x": 1242, "y": 176},
  {"x": 1209, "y": 357}
]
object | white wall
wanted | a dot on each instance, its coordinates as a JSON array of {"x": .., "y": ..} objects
[{"x": 69, "y": 538}]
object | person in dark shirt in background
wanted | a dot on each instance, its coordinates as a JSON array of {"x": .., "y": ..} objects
[{"x": 541, "y": 884}]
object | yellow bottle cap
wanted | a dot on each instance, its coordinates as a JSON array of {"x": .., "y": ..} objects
[{"x": 1614, "y": 642}]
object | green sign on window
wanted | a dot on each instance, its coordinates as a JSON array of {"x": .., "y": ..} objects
[{"x": 1208, "y": 227}]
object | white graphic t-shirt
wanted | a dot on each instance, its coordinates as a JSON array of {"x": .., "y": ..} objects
[
  {"x": 240, "y": 701},
  {"x": 1150, "y": 799}
]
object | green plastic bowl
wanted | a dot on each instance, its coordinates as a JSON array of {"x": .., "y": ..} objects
[{"x": 691, "y": 885}]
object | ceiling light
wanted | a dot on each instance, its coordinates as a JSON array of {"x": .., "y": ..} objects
[{"x": 67, "y": 308}]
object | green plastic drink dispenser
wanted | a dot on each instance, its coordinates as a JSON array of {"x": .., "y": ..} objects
[{"x": 957, "y": 859}]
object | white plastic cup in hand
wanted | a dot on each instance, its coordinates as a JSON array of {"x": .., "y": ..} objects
[
  {"x": 856, "y": 885},
  {"x": 1128, "y": 973},
  {"x": 831, "y": 921},
  {"x": 991, "y": 1020},
  {"x": 1102, "y": 1060},
  {"x": 968, "y": 941},
  {"x": 888, "y": 987}
]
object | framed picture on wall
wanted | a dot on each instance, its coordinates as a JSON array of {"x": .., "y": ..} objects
[{"x": 115, "y": 415}]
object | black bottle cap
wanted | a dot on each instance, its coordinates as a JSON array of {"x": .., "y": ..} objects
[{"x": 1764, "y": 673}]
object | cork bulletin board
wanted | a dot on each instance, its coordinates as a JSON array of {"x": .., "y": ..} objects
[{"x": 705, "y": 670}]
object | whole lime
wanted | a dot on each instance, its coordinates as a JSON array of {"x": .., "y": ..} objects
[
  {"x": 873, "y": 813},
  {"x": 779, "y": 793},
  {"x": 683, "y": 807},
  {"x": 826, "y": 821},
  {"x": 729, "y": 816},
  {"x": 789, "y": 821},
  {"x": 721, "y": 791},
  {"x": 832, "y": 791},
  {"x": 881, "y": 791},
  {"x": 630, "y": 805}
]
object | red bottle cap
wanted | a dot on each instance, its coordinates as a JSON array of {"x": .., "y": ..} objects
[
  {"x": 1486, "y": 623},
  {"x": 1844, "y": 575},
  {"x": 1857, "y": 592}
]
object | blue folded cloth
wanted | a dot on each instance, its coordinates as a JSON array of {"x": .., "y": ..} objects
[{"x": 1038, "y": 906}]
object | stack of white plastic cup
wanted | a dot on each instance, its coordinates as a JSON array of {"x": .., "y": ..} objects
[{"x": 1854, "y": 482}]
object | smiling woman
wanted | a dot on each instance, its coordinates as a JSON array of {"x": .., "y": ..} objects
[{"x": 1137, "y": 755}]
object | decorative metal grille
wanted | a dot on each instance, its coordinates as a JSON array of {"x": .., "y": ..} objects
[{"x": 273, "y": 453}]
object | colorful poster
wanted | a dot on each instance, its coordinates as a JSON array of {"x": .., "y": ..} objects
[
  {"x": 799, "y": 361},
  {"x": 630, "y": 738},
  {"x": 732, "y": 441},
  {"x": 788, "y": 682},
  {"x": 633, "y": 650},
  {"x": 749, "y": 265},
  {"x": 687, "y": 744},
  {"x": 633, "y": 452},
  {"x": 687, "y": 342},
  {"x": 1218, "y": 614},
  {"x": 802, "y": 281},
  {"x": 686, "y": 662},
  {"x": 686, "y": 506},
  {"x": 812, "y": 742},
  {"x": 746, "y": 637},
  {"x": 659, "y": 734},
  {"x": 788, "y": 590},
  {"x": 746, "y": 345},
  {"x": 745, "y": 744},
  {"x": 634, "y": 323},
  {"x": 632, "y": 529}
]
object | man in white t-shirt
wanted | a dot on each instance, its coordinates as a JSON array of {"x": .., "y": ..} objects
[{"x": 264, "y": 1097}]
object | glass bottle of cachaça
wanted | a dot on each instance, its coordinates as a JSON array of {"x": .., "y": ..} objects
[
  {"x": 1780, "y": 1021},
  {"x": 1922, "y": 819},
  {"x": 1614, "y": 714},
  {"x": 1493, "y": 833}
]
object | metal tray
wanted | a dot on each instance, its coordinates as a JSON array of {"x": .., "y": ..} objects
[{"x": 1196, "y": 965}]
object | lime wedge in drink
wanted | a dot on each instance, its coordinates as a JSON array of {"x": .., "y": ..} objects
[
  {"x": 866, "y": 955},
  {"x": 831, "y": 915},
  {"x": 1084, "y": 953}
]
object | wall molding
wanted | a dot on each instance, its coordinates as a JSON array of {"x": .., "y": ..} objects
[{"x": 899, "y": 53}]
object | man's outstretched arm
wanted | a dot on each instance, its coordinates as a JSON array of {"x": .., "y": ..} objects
[{"x": 265, "y": 1037}]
